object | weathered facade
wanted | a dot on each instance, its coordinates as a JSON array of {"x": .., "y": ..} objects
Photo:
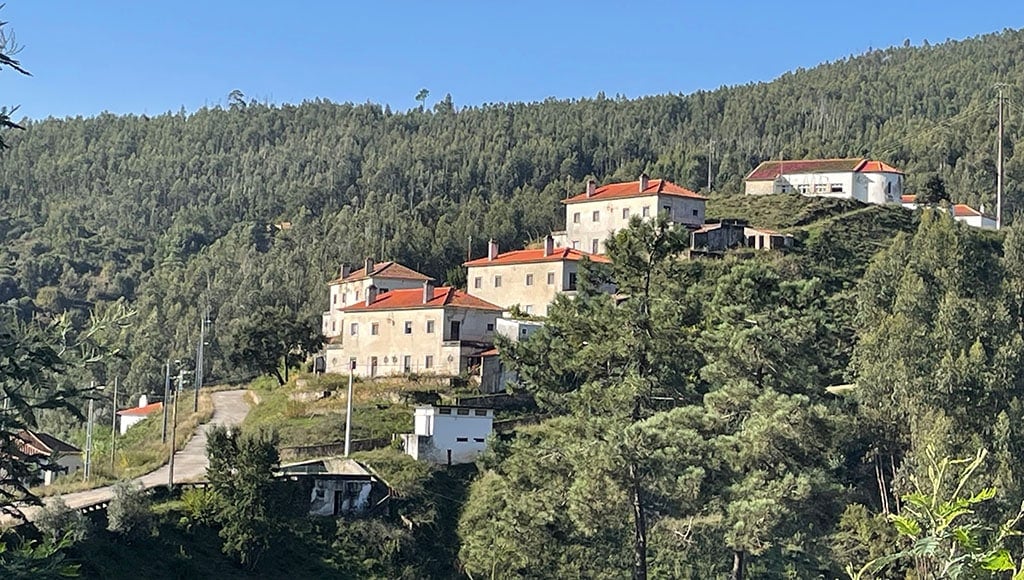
[
  {"x": 729, "y": 234},
  {"x": 494, "y": 376},
  {"x": 861, "y": 179},
  {"x": 425, "y": 330},
  {"x": 338, "y": 487},
  {"x": 351, "y": 287},
  {"x": 594, "y": 215},
  {"x": 58, "y": 458},
  {"x": 529, "y": 279}
]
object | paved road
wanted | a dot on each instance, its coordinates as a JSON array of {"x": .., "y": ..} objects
[{"x": 229, "y": 408}]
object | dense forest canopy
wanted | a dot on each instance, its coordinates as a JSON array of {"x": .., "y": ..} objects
[{"x": 257, "y": 205}]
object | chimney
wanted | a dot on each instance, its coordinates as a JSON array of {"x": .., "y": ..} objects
[
  {"x": 345, "y": 271},
  {"x": 549, "y": 245},
  {"x": 428, "y": 291},
  {"x": 591, "y": 187},
  {"x": 371, "y": 294},
  {"x": 369, "y": 266},
  {"x": 492, "y": 249},
  {"x": 643, "y": 182},
  {"x": 143, "y": 400}
]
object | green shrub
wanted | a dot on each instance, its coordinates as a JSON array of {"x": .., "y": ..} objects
[
  {"x": 129, "y": 512},
  {"x": 201, "y": 505},
  {"x": 56, "y": 521}
]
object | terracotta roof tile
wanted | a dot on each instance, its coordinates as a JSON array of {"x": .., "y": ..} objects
[
  {"x": 908, "y": 198},
  {"x": 537, "y": 255},
  {"x": 772, "y": 169},
  {"x": 142, "y": 411},
  {"x": 392, "y": 270},
  {"x": 632, "y": 189},
  {"x": 413, "y": 298},
  {"x": 964, "y": 210},
  {"x": 39, "y": 443}
]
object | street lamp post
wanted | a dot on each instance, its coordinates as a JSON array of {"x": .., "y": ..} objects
[{"x": 113, "y": 428}]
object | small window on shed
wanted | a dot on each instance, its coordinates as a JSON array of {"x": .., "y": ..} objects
[
  {"x": 462, "y": 411},
  {"x": 444, "y": 411},
  {"x": 462, "y": 439},
  {"x": 480, "y": 412},
  {"x": 478, "y": 439}
]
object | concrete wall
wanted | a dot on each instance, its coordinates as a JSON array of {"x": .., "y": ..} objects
[
  {"x": 878, "y": 188},
  {"x": 429, "y": 350},
  {"x": 333, "y": 496},
  {"x": 532, "y": 298},
  {"x": 449, "y": 434},
  {"x": 68, "y": 464},
  {"x": 127, "y": 421},
  {"x": 977, "y": 221},
  {"x": 766, "y": 187},
  {"x": 583, "y": 230}
]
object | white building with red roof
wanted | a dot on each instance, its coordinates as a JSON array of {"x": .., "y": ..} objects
[
  {"x": 134, "y": 415},
  {"x": 961, "y": 212},
  {"x": 435, "y": 330},
  {"x": 56, "y": 456},
  {"x": 351, "y": 286},
  {"x": 597, "y": 213},
  {"x": 854, "y": 178},
  {"x": 529, "y": 279}
]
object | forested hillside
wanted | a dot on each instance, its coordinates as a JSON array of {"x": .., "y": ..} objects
[{"x": 252, "y": 208}]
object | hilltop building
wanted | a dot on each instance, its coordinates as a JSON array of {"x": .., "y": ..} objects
[
  {"x": 134, "y": 415},
  {"x": 419, "y": 330},
  {"x": 594, "y": 215},
  {"x": 857, "y": 178},
  {"x": 351, "y": 287},
  {"x": 448, "y": 435},
  {"x": 716, "y": 238},
  {"x": 528, "y": 278},
  {"x": 962, "y": 213}
]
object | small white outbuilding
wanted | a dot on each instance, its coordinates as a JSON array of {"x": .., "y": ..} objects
[{"x": 448, "y": 434}]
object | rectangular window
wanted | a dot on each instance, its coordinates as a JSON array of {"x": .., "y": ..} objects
[
  {"x": 407, "y": 363},
  {"x": 480, "y": 412},
  {"x": 444, "y": 411},
  {"x": 836, "y": 188},
  {"x": 430, "y": 327},
  {"x": 478, "y": 282},
  {"x": 352, "y": 363},
  {"x": 820, "y": 187},
  {"x": 551, "y": 278},
  {"x": 575, "y": 244},
  {"x": 572, "y": 281},
  {"x": 803, "y": 188},
  {"x": 408, "y": 327},
  {"x": 668, "y": 210},
  {"x": 576, "y": 218},
  {"x": 353, "y": 329},
  {"x": 625, "y": 213},
  {"x": 374, "y": 328},
  {"x": 497, "y": 281},
  {"x": 456, "y": 330},
  {"x": 594, "y": 246},
  {"x": 357, "y": 295},
  {"x": 596, "y": 216},
  {"x": 695, "y": 213},
  {"x": 529, "y": 308},
  {"x": 478, "y": 439},
  {"x": 428, "y": 362},
  {"x": 334, "y": 300},
  {"x": 462, "y": 411},
  {"x": 462, "y": 439},
  {"x": 646, "y": 211},
  {"x": 333, "y": 327},
  {"x": 529, "y": 279},
  {"x": 490, "y": 326}
]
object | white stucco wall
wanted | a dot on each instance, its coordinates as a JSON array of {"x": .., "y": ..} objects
[
  {"x": 532, "y": 298},
  {"x": 127, "y": 421},
  {"x": 582, "y": 230},
  {"x": 462, "y": 432},
  {"x": 978, "y": 221},
  {"x": 868, "y": 187},
  {"x": 349, "y": 293}
]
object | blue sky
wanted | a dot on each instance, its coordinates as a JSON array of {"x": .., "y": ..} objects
[{"x": 146, "y": 56}]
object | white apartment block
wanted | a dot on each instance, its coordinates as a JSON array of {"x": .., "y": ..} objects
[
  {"x": 529, "y": 279},
  {"x": 352, "y": 285},
  {"x": 857, "y": 178},
  {"x": 422, "y": 330},
  {"x": 594, "y": 215}
]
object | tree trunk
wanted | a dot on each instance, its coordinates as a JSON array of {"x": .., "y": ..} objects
[
  {"x": 639, "y": 528},
  {"x": 739, "y": 565},
  {"x": 280, "y": 379}
]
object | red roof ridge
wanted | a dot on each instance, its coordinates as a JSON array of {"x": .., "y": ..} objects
[
  {"x": 381, "y": 269},
  {"x": 536, "y": 255},
  {"x": 409, "y": 298},
  {"x": 626, "y": 189},
  {"x": 142, "y": 411}
]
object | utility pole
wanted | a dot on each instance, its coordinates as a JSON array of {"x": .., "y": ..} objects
[
  {"x": 199, "y": 359},
  {"x": 348, "y": 409},
  {"x": 174, "y": 429},
  {"x": 999, "y": 166},
  {"x": 167, "y": 396},
  {"x": 113, "y": 428},
  {"x": 711, "y": 153},
  {"x": 469, "y": 248},
  {"x": 88, "y": 436}
]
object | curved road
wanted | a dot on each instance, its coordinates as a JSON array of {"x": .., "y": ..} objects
[{"x": 229, "y": 408}]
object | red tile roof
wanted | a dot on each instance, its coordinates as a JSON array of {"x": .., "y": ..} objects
[
  {"x": 772, "y": 169},
  {"x": 142, "y": 411},
  {"x": 632, "y": 189},
  {"x": 964, "y": 210},
  {"x": 39, "y": 443},
  {"x": 537, "y": 255},
  {"x": 908, "y": 198},
  {"x": 392, "y": 270},
  {"x": 491, "y": 352},
  {"x": 413, "y": 298}
]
